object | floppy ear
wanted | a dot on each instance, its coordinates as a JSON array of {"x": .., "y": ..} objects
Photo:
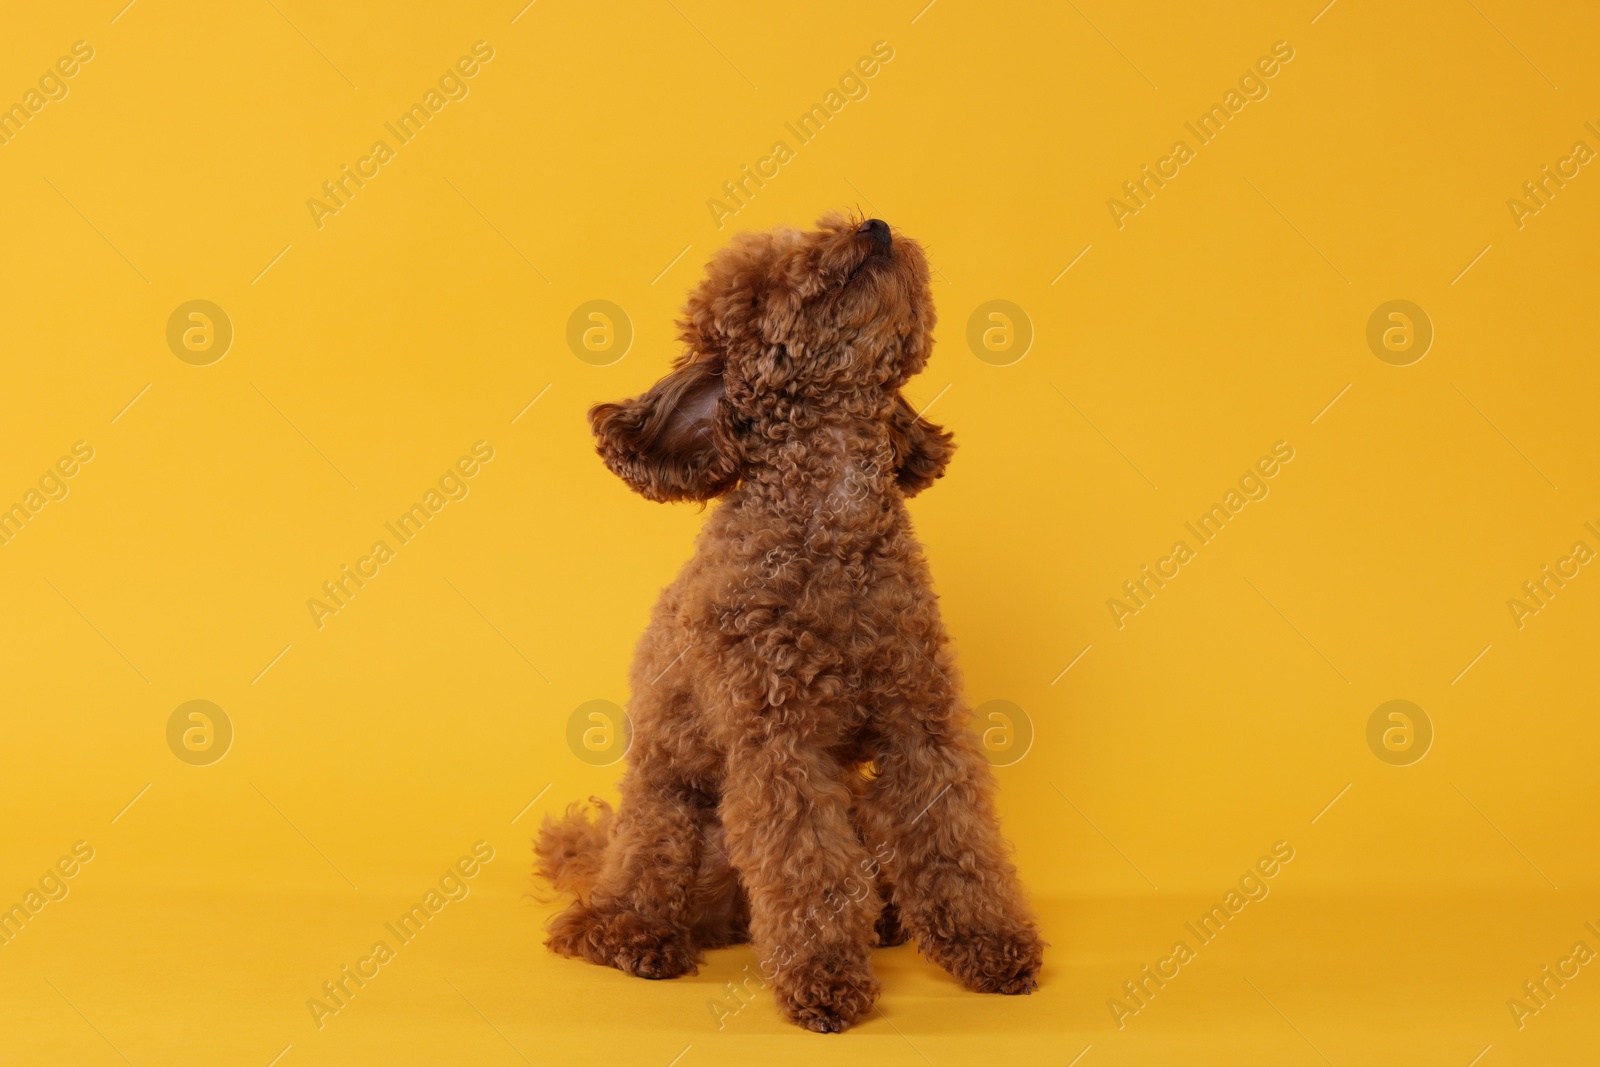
[
  {"x": 671, "y": 442},
  {"x": 921, "y": 449}
]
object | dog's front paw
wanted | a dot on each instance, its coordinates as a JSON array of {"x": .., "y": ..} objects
[
  {"x": 994, "y": 961},
  {"x": 626, "y": 940},
  {"x": 826, "y": 993}
]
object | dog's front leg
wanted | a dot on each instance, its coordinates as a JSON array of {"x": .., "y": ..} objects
[
  {"x": 930, "y": 813},
  {"x": 812, "y": 901}
]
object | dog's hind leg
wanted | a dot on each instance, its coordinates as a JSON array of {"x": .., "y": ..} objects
[
  {"x": 718, "y": 904},
  {"x": 639, "y": 914},
  {"x": 888, "y": 930}
]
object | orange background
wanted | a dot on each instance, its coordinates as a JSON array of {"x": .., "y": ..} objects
[{"x": 432, "y": 712}]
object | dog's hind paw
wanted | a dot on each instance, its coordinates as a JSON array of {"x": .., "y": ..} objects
[
  {"x": 888, "y": 930},
  {"x": 632, "y": 943}
]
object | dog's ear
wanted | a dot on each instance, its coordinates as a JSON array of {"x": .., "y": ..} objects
[
  {"x": 921, "y": 449},
  {"x": 672, "y": 442}
]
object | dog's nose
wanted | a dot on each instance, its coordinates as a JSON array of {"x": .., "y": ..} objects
[{"x": 878, "y": 230}]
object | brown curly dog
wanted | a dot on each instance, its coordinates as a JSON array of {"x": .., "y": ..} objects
[{"x": 802, "y": 773}]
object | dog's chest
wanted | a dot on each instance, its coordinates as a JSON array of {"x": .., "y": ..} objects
[{"x": 834, "y": 587}]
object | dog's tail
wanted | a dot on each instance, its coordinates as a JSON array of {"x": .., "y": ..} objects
[{"x": 569, "y": 850}]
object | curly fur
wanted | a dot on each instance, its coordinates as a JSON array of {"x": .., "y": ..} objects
[{"x": 802, "y": 776}]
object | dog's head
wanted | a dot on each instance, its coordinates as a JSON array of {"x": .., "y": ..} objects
[{"x": 788, "y": 328}]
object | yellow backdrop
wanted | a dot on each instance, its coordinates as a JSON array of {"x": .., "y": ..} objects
[{"x": 1267, "y": 339}]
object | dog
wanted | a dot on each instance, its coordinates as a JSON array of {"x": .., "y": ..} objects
[{"x": 802, "y": 774}]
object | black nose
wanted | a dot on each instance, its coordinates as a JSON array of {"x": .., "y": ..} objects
[{"x": 878, "y": 230}]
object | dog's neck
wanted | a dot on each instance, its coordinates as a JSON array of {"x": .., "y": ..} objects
[{"x": 833, "y": 479}]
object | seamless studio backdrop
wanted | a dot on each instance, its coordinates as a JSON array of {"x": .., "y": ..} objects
[{"x": 1269, "y": 549}]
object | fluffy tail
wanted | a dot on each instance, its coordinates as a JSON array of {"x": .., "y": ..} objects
[{"x": 569, "y": 850}]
